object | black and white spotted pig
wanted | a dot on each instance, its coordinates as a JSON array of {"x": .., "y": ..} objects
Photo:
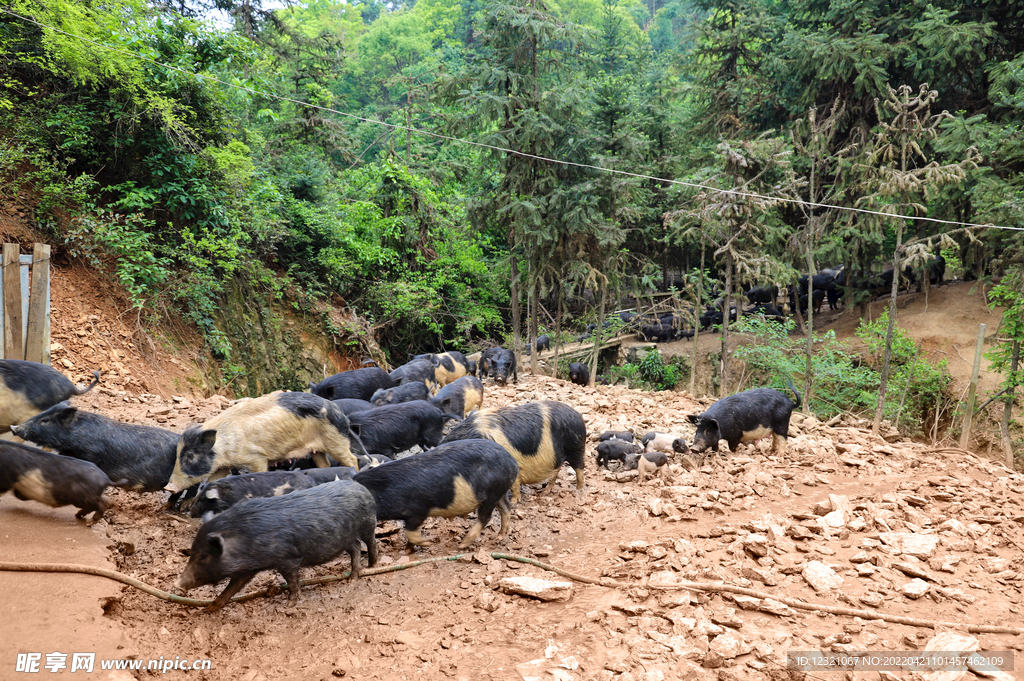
[
  {"x": 250, "y": 434},
  {"x": 663, "y": 442},
  {"x": 450, "y": 480},
  {"x": 307, "y": 527},
  {"x": 745, "y": 417},
  {"x": 358, "y": 384},
  {"x": 461, "y": 397},
  {"x": 540, "y": 436},
  {"x": 648, "y": 462},
  {"x": 54, "y": 480},
  {"x": 27, "y": 388}
]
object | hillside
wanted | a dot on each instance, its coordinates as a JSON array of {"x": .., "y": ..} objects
[{"x": 841, "y": 520}]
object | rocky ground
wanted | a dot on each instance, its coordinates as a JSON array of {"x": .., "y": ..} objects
[{"x": 842, "y": 519}]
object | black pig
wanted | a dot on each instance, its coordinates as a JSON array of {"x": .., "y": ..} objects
[
  {"x": 407, "y": 392},
  {"x": 579, "y": 373},
  {"x": 144, "y": 455},
  {"x": 308, "y": 527},
  {"x": 504, "y": 365},
  {"x": 745, "y": 417},
  {"x": 623, "y": 435},
  {"x": 220, "y": 495},
  {"x": 663, "y": 442},
  {"x": 28, "y": 388},
  {"x": 358, "y": 384},
  {"x": 540, "y": 436},
  {"x": 452, "y": 479},
  {"x": 54, "y": 480},
  {"x": 614, "y": 449},
  {"x": 351, "y": 406},
  {"x": 394, "y": 428}
]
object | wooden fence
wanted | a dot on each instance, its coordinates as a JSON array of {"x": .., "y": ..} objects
[{"x": 25, "y": 312}]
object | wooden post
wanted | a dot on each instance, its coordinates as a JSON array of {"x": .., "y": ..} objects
[
  {"x": 36, "y": 342},
  {"x": 13, "y": 346},
  {"x": 972, "y": 391}
]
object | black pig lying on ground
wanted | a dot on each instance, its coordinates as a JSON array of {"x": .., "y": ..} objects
[
  {"x": 452, "y": 479},
  {"x": 540, "y": 436},
  {"x": 54, "y": 480},
  {"x": 27, "y": 388},
  {"x": 307, "y": 527},
  {"x": 745, "y": 417}
]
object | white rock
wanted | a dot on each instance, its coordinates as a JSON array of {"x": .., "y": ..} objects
[
  {"x": 730, "y": 645},
  {"x": 541, "y": 589},
  {"x": 821, "y": 576},
  {"x": 918, "y": 545},
  {"x": 773, "y": 607},
  {"x": 915, "y": 588}
]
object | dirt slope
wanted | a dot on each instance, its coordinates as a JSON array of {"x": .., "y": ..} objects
[{"x": 874, "y": 513}]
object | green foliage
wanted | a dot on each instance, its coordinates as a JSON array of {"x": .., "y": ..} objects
[
  {"x": 776, "y": 358},
  {"x": 652, "y": 372},
  {"x": 915, "y": 384}
]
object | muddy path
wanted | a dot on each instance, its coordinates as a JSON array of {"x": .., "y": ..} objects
[{"x": 840, "y": 519}]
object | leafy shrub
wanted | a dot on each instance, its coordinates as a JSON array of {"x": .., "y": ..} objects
[
  {"x": 776, "y": 358},
  {"x": 652, "y": 372}
]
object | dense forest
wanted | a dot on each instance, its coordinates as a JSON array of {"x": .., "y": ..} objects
[{"x": 442, "y": 168}]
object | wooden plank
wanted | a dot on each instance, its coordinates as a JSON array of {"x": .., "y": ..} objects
[
  {"x": 13, "y": 346},
  {"x": 35, "y": 338}
]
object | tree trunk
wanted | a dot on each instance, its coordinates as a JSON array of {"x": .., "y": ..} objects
[
  {"x": 516, "y": 337},
  {"x": 723, "y": 387},
  {"x": 534, "y": 285},
  {"x": 698, "y": 308},
  {"x": 1004, "y": 426},
  {"x": 889, "y": 331},
  {"x": 598, "y": 332},
  {"x": 558, "y": 328},
  {"x": 810, "y": 331}
]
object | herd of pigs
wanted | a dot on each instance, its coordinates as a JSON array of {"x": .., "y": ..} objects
[{"x": 294, "y": 479}]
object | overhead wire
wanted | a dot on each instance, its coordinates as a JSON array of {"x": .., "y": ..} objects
[{"x": 521, "y": 154}]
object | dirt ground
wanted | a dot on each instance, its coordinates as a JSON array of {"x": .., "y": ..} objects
[
  {"x": 840, "y": 519},
  {"x": 885, "y": 520}
]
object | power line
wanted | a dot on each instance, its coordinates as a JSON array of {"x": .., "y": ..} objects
[{"x": 449, "y": 138}]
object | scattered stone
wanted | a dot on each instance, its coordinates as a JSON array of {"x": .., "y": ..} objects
[
  {"x": 821, "y": 577},
  {"x": 541, "y": 589},
  {"x": 915, "y": 588},
  {"x": 730, "y": 645}
]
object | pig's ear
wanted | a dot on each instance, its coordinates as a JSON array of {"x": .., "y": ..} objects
[
  {"x": 711, "y": 423},
  {"x": 216, "y": 544},
  {"x": 66, "y": 416},
  {"x": 312, "y": 386},
  {"x": 208, "y": 437},
  {"x": 355, "y": 428},
  {"x": 694, "y": 419}
]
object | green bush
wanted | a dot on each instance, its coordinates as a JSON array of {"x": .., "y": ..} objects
[
  {"x": 775, "y": 358},
  {"x": 652, "y": 372}
]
